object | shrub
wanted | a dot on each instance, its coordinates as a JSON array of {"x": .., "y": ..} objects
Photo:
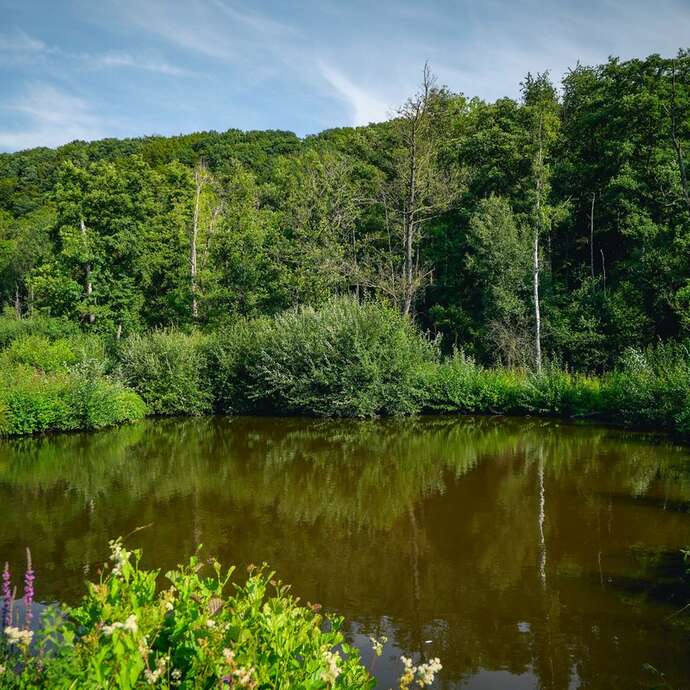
[
  {"x": 199, "y": 632},
  {"x": 32, "y": 401},
  {"x": 12, "y": 328},
  {"x": 344, "y": 360},
  {"x": 167, "y": 368},
  {"x": 39, "y": 352},
  {"x": 651, "y": 388},
  {"x": 229, "y": 355}
]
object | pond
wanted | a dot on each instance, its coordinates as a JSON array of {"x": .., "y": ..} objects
[{"x": 523, "y": 553}]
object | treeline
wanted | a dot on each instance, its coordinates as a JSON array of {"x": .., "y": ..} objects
[{"x": 555, "y": 227}]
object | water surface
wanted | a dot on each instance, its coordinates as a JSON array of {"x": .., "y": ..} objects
[{"x": 523, "y": 553}]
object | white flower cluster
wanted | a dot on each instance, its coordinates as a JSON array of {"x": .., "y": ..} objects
[
  {"x": 427, "y": 672},
  {"x": 378, "y": 644},
  {"x": 130, "y": 625},
  {"x": 152, "y": 677},
  {"x": 332, "y": 671},
  {"x": 424, "y": 673},
  {"x": 118, "y": 555},
  {"x": 18, "y": 636}
]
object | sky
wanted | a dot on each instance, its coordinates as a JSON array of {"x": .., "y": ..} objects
[{"x": 85, "y": 69}]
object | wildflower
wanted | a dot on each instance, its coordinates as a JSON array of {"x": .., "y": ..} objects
[
  {"x": 229, "y": 656},
  {"x": 169, "y": 606},
  {"x": 29, "y": 578},
  {"x": 18, "y": 636},
  {"x": 210, "y": 623},
  {"x": 130, "y": 625},
  {"x": 332, "y": 671},
  {"x": 176, "y": 674},
  {"x": 426, "y": 672},
  {"x": 152, "y": 677},
  {"x": 119, "y": 555},
  {"x": 6, "y": 596},
  {"x": 243, "y": 677},
  {"x": 408, "y": 673},
  {"x": 379, "y": 644}
]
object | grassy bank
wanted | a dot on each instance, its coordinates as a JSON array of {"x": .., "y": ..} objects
[{"x": 344, "y": 360}]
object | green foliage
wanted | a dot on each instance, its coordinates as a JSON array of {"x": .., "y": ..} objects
[
  {"x": 167, "y": 368},
  {"x": 202, "y": 631},
  {"x": 40, "y": 353},
  {"x": 32, "y": 400},
  {"x": 346, "y": 360},
  {"x": 651, "y": 388},
  {"x": 51, "y": 328}
]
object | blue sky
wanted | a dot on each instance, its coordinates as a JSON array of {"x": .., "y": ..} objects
[{"x": 89, "y": 69}]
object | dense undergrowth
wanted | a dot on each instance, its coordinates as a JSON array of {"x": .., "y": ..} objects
[{"x": 344, "y": 360}]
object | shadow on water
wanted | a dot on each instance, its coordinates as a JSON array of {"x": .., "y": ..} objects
[{"x": 523, "y": 553}]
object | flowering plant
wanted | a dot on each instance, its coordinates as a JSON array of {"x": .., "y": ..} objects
[{"x": 201, "y": 631}]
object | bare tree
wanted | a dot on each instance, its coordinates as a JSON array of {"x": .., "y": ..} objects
[{"x": 418, "y": 191}]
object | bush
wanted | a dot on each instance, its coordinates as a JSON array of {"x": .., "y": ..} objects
[
  {"x": 199, "y": 632},
  {"x": 39, "y": 352},
  {"x": 344, "y": 360},
  {"x": 229, "y": 355},
  {"x": 32, "y": 401},
  {"x": 12, "y": 328},
  {"x": 167, "y": 368},
  {"x": 651, "y": 388}
]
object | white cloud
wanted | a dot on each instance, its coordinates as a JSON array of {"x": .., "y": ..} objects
[
  {"x": 365, "y": 106},
  {"x": 127, "y": 60},
  {"x": 52, "y": 117}
]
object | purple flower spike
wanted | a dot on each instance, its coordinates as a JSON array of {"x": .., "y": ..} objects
[
  {"x": 6, "y": 596},
  {"x": 29, "y": 578}
]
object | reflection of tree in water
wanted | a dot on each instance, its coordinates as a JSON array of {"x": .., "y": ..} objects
[{"x": 483, "y": 535}]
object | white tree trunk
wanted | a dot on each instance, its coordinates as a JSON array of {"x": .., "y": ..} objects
[{"x": 87, "y": 271}]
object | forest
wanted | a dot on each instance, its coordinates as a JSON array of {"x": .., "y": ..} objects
[{"x": 548, "y": 232}]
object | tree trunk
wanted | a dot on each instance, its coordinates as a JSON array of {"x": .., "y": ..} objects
[
  {"x": 676, "y": 141},
  {"x": 591, "y": 236},
  {"x": 198, "y": 181},
  {"x": 17, "y": 300},
  {"x": 408, "y": 225},
  {"x": 537, "y": 312},
  {"x": 535, "y": 258},
  {"x": 91, "y": 317}
]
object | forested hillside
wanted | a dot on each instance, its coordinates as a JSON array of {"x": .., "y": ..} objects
[{"x": 560, "y": 221}]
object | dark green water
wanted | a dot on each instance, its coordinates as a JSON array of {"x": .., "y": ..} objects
[{"x": 524, "y": 554}]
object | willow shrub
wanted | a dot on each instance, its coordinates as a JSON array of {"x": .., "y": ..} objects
[
  {"x": 346, "y": 359},
  {"x": 201, "y": 631},
  {"x": 82, "y": 397},
  {"x": 168, "y": 369}
]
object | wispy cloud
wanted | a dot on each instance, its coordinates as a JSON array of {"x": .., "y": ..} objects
[
  {"x": 365, "y": 106},
  {"x": 130, "y": 61},
  {"x": 50, "y": 117}
]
